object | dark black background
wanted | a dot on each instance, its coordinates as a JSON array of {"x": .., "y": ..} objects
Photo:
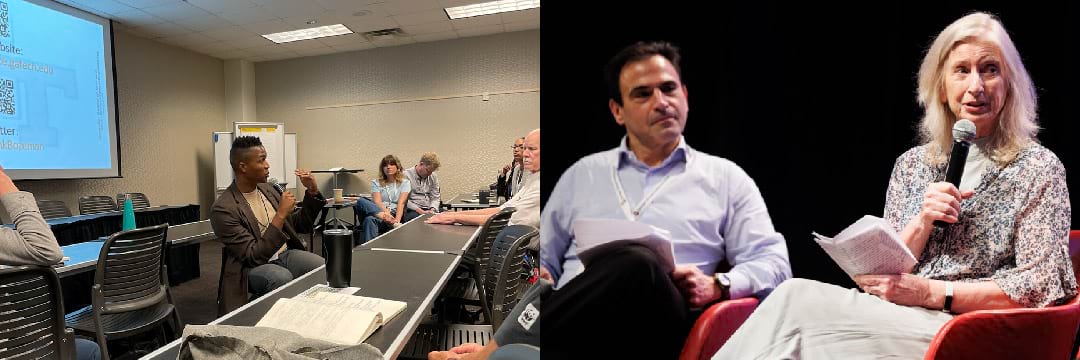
[{"x": 814, "y": 101}]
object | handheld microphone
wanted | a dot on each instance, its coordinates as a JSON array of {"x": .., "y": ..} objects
[
  {"x": 277, "y": 185},
  {"x": 963, "y": 133}
]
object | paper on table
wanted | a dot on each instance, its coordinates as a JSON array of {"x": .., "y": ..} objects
[{"x": 321, "y": 288}]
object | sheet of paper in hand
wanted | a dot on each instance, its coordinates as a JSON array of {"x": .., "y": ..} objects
[
  {"x": 595, "y": 237},
  {"x": 869, "y": 246}
]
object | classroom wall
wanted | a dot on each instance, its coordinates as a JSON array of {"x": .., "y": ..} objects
[
  {"x": 472, "y": 137},
  {"x": 170, "y": 102}
]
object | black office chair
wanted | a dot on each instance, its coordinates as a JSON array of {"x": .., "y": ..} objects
[
  {"x": 32, "y": 315},
  {"x": 504, "y": 280},
  {"x": 131, "y": 289},
  {"x": 138, "y": 200},
  {"x": 51, "y": 209},
  {"x": 96, "y": 204},
  {"x": 506, "y": 273},
  {"x": 465, "y": 288}
]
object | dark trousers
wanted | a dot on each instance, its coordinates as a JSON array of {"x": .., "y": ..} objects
[{"x": 622, "y": 307}]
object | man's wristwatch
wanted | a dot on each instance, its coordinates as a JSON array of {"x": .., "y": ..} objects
[{"x": 724, "y": 283}]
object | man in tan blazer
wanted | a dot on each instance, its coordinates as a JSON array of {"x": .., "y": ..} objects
[{"x": 259, "y": 228}]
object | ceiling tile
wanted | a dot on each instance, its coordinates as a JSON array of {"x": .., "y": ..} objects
[
  {"x": 342, "y": 39},
  {"x": 392, "y": 41},
  {"x": 315, "y": 52},
  {"x": 204, "y": 23},
  {"x": 137, "y": 18},
  {"x": 429, "y": 28},
  {"x": 268, "y": 27},
  {"x": 281, "y": 56},
  {"x": 476, "y": 21},
  {"x": 221, "y": 6},
  {"x": 482, "y": 30},
  {"x": 206, "y": 48},
  {"x": 139, "y": 4},
  {"x": 269, "y": 50},
  {"x": 371, "y": 24},
  {"x": 230, "y": 33},
  {"x": 346, "y": 4},
  {"x": 304, "y": 45},
  {"x": 248, "y": 15},
  {"x": 423, "y": 17},
  {"x": 107, "y": 7},
  {"x": 249, "y": 42},
  {"x": 436, "y": 36},
  {"x": 165, "y": 29},
  {"x": 354, "y": 46},
  {"x": 321, "y": 19},
  {"x": 451, "y": 3},
  {"x": 520, "y": 15},
  {"x": 176, "y": 11},
  {"x": 400, "y": 7},
  {"x": 291, "y": 8},
  {"x": 187, "y": 39},
  {"x": 519, "y": 26}
]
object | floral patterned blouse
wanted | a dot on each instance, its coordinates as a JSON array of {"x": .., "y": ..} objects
[{"x": 1014, "y": 230}]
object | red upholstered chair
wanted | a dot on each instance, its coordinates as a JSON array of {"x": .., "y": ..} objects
[
  {"x": 715, "y": 327},
  {"x": 1045, "y": 333}
]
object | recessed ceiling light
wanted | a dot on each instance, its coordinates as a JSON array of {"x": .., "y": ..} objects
[
  {"x": 491, "y": 7},
  {"x": 309, "y": 33}
]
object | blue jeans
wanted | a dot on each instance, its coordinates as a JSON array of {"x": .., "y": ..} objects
[
  {"x": 289, "y": 265},
  {"x": 371, "y": 226}
]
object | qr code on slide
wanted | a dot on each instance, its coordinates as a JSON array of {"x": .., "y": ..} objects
[
  {"x": 7, "y": 97},
  {"x": 4, "y": 20}
]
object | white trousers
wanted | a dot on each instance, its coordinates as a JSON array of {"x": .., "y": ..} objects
[{"x": 806, "y": 319}]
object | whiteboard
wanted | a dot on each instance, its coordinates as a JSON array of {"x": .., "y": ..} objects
[
  {"x": 223, "y": 174},
  {"x": 273, "y": 140}
]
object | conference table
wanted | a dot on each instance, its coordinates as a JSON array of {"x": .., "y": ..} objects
[
  {"x": 76, "y": 275},
  {"x": 83, "y": 257},
  {"x": 87, "y": 227},
  {"x": 411, "y": 263},
  {"x": 183, "y": 261},
  {"x": 471, "y": 201}
]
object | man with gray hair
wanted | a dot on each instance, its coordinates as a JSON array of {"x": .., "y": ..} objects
[
  {"x": 526, "y": 201},
  {"x": 424, "y": 198}
]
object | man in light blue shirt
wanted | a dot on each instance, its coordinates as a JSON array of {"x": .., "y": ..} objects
[{"x": 711, "y": 207}]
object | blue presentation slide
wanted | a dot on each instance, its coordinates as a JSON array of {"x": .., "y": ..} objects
[{"x": 54, "y": 99}]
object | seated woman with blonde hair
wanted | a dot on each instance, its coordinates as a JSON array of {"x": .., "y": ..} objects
[{"x": 1005, "y": 243}]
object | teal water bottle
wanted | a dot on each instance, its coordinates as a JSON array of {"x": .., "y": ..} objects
[{"x": 129, "y": 214}]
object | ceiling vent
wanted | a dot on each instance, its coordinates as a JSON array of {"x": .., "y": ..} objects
[{"x": 383, "y": 34}]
